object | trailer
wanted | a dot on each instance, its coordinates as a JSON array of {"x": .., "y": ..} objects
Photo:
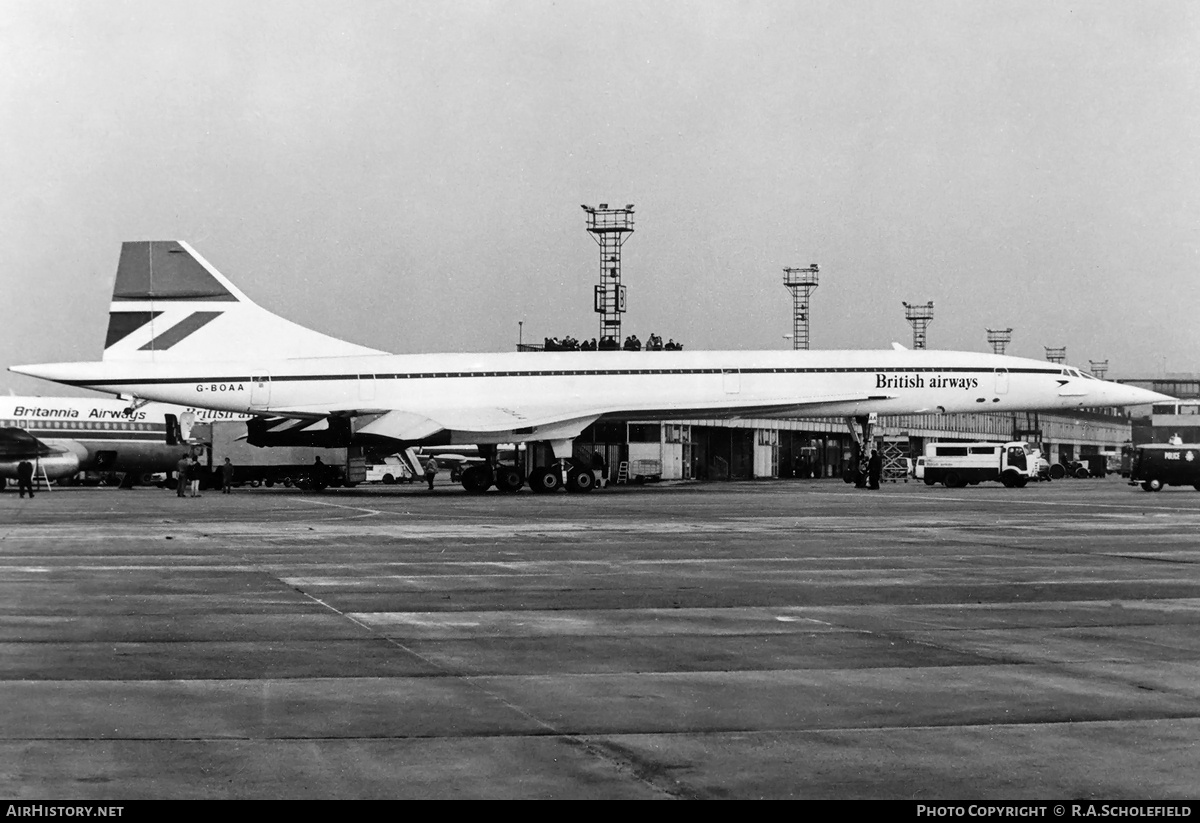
[
  {"x": 956, "y": 465},
  {"x": 305, "y": 467}
]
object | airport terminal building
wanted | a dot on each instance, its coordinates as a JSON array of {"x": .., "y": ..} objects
[{"x": 718, "y": 449}]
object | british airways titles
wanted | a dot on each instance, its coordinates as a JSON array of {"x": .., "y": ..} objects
[{"x": 917, "y": 381}]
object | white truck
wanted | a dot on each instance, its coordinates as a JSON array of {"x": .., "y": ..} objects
[
  {"x": 401, "y": 467},
  {"x": 958, "y": 464}
]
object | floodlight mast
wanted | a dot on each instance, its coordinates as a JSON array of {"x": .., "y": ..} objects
[
  {"x": 999, "y": 338},
  {"x": 920, "y": 317},
  {"x": 1056, "y": 354},
  {"x": 610, "y": 228},
  {"x": 800, "y": 282}
]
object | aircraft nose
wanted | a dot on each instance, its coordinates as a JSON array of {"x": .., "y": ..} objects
[{"x": 1123, "y": 395}]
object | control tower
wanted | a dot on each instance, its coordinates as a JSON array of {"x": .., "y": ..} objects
[
  {"x": 610, "y": 228},
  {"x": 800, "y": 282},
  {"x": 920, "y": 317}
]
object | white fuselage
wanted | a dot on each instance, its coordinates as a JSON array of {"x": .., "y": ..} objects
[
  {"x": 614, "y": 385},
  {"x": 85, "y": 434}
]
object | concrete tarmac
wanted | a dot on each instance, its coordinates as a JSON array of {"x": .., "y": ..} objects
[{"x": 778, "y": 639}]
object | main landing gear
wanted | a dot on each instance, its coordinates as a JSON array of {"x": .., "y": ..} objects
[
  {"x": 564, "y": 472},
  {"x": 479, "y": 478}
]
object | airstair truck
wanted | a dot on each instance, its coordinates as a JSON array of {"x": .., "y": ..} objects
[{"x": 956, "y": 465}]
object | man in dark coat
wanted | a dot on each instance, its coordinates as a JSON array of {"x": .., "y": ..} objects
[
  {"x": 25, "y": 478},
  {"x": 227, "y": 476},
  {"x": 874, "y": 469}
]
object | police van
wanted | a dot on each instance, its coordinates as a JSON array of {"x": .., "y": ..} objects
[
  {"x": 958, "y": 464},
  {"x": 1170, "y": 465}
]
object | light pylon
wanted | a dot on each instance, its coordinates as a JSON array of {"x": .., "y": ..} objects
[
  {"x": 1056, "y": 354},
  {"x": 999, "y": 338},
  {"x": 610, "y": 228},
  {"x": 920, "y": 317},
  {"x": 800, "y": 282}
]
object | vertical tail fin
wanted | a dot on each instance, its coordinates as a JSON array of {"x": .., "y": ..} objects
[{"x": 169, "y": 304}]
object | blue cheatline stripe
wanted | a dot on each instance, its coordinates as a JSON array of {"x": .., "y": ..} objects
[
  {"x": 93, "y": 434},
  {"x": 179, "y": 331},
  {"x": 545, "y": 373}
]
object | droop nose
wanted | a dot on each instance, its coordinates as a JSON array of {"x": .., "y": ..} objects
[{"x": 1119, "y": 394}]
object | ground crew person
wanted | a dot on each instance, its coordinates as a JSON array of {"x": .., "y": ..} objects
[
  {"x": 25, "y": 478},
  {"x": 598, "y": 469},
  {"x": 193, "y": 474},
  {"x": 226, "y": 476},
  {"x": 181, "y": 471},
  {"x": 874, "y": 469},
  {"x": 431, "y": 470}
]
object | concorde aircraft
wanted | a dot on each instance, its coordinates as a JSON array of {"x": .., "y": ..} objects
[
  {"x": 180, "y": 332},
  {"x": 62, "y": 436}
]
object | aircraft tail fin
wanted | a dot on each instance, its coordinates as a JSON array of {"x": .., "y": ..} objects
[{"x": 170, "y": 304}]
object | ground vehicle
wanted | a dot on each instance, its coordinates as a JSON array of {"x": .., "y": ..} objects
[
  {"x": 956, "y": 464},
  {"x": 285, "y": 465},
  {"x": 1165, "y": 465},
  {"x": 394, "y": 468}
]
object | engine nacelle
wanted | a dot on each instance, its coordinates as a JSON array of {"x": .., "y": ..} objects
[{"x": 55, "y": 466}]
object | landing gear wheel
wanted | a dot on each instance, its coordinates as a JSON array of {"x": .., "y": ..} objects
[
  {"x": 477, "y": 479},
  {"x": 509, "y": 479},
  {"x": 580, "y": 480},
  {"x": 545, "y": 479}
]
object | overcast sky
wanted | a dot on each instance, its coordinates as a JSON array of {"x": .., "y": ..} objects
[{"x": 408, "y": 175}]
